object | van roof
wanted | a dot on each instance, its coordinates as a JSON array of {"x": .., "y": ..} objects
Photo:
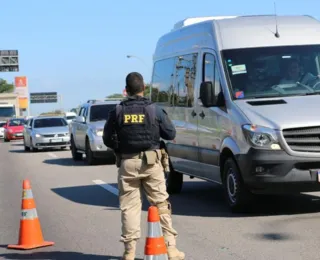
[
  {"x": 100, "y": 102},
  {"x": 236, "y": 32},
  {"x": 194, "y": 20}
]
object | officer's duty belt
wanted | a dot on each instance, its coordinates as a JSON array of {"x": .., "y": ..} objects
[{"x": 136, "y": 155}]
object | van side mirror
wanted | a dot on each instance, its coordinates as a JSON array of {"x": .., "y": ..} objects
[
  {"x": 207, "y": 96},
  {"x": 80, "y": 119}
]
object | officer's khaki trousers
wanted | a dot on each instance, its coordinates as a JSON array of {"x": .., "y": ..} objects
[{"x": 135, "y": 176}]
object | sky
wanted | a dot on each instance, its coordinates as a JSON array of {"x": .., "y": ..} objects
[{"x": 79, "y": 48}]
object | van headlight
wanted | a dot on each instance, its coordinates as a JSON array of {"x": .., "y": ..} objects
[
  {"x": 37, "y": 135},
  {"x": 261, "y": 137}
]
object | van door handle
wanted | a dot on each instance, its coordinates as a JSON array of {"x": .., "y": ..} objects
[
  {"x": 193, "y": 113},
  {"x": 202, "y": 114}
]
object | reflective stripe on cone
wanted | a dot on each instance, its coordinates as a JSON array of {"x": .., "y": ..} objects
[{"x": 155, "y": 247}]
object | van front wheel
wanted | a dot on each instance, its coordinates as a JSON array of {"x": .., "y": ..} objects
[
  {"x": 236, "y": 193},
  {"x": 174, "y": 181}
]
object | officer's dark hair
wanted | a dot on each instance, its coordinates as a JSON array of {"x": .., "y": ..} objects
[{"x": 134, "y": 83}]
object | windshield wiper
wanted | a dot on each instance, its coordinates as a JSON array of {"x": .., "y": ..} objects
[
  {"x": 311, "y": 93},
  {"x": 98, "y": 119},
  {"x": 266, "y": 96},
  {"x": 287, "y": 95}
]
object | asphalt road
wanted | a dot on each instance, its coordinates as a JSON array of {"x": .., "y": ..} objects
[{"x": 78, "y": 210}]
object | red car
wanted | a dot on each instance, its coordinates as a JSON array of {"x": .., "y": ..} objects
[{"x": 13, "y": 129}]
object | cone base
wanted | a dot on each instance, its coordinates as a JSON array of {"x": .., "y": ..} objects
[{"x": 28, "y": 247}]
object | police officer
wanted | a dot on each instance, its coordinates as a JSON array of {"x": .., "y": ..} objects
[{"x": 138, "y": 125}]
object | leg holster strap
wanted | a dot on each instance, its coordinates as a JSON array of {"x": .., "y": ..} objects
[{"x": 164, "y": 208}]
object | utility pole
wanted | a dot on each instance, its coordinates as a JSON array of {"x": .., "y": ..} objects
[{"x": 60, "y": 103}]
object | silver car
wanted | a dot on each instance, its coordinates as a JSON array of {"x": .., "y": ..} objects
[
  {"x": 87, "y": 129},
  {"x": 46, "y": 132}
]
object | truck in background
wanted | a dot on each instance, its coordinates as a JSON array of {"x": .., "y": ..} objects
[
  {"x": 9, "y": 106},
  {"x": 7, "y": 111}
]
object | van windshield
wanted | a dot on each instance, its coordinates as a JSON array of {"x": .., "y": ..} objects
[{"x": 273, "y": 71}]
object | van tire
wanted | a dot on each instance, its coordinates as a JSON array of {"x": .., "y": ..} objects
[
  {"x": 237, "y": 195},
  {"x": 174, "y": 181}
]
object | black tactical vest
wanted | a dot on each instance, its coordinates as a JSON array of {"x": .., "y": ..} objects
[{"x": 137, "y": 126}]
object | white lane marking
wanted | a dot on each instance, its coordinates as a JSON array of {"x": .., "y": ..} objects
[
  {"x": 52, "y": 155},
  {"x": 107, "y": 187}
]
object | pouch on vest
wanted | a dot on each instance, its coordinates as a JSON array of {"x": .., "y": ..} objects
[{"x": 151, "y": 157}]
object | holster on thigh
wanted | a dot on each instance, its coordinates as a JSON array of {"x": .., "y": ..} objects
[{"x": 164, "y": 208}]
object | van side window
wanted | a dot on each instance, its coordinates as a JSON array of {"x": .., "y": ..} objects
[
  {"x": 208, "y": 67},
  {"x": 211, "y": 71},
  {"x": 184, "y": 80},
  {"x": 162, "y": 82}
]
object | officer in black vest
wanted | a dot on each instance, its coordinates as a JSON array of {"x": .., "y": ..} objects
[{"x": 134, "y": 130}]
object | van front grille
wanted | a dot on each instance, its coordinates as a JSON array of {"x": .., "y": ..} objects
[{"x": 304, "y": 139}]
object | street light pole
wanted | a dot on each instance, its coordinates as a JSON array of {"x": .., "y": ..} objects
[
  {"x": 151, "y": 73},
  {"x": 60, "y": 102},
  {"x": 136, "y": 57},
  {"x": 133, "y": 56}
]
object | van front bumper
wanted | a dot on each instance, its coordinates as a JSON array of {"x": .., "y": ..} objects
[{"x": 277, "y": 172}]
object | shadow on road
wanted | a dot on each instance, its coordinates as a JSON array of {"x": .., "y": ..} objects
[
  {"x": 17, "y": 151},
  {"x": 58, "y": 255},
  {"x": 17, "y": 144},
  {"x": 273, "y": 236},
  {"x": 65, "y": 162},
  {"x": 200, "y": 199},
  {"x": 37, "y": 152},
  {"x": 71, "y": 162},
  {"x": 279, "y": 229},
  {"x": 89, "y": 195}
]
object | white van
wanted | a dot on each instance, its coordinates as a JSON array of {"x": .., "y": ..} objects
[{"x": 244, "y": 95}]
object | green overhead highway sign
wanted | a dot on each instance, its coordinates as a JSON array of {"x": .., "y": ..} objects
[
  {"x": 43, "y": 97},
  {"x": 9, "y": 61}
]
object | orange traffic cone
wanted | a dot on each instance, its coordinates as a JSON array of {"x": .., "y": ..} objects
[
  {"x": 30, "y": 234},
  {"x": 155, "y": 247}
]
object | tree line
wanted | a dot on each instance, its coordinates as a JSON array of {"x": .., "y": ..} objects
[{"x": 6, "y": 87}]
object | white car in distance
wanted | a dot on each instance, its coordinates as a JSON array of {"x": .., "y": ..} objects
[{"x": 2, "y": 123}]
